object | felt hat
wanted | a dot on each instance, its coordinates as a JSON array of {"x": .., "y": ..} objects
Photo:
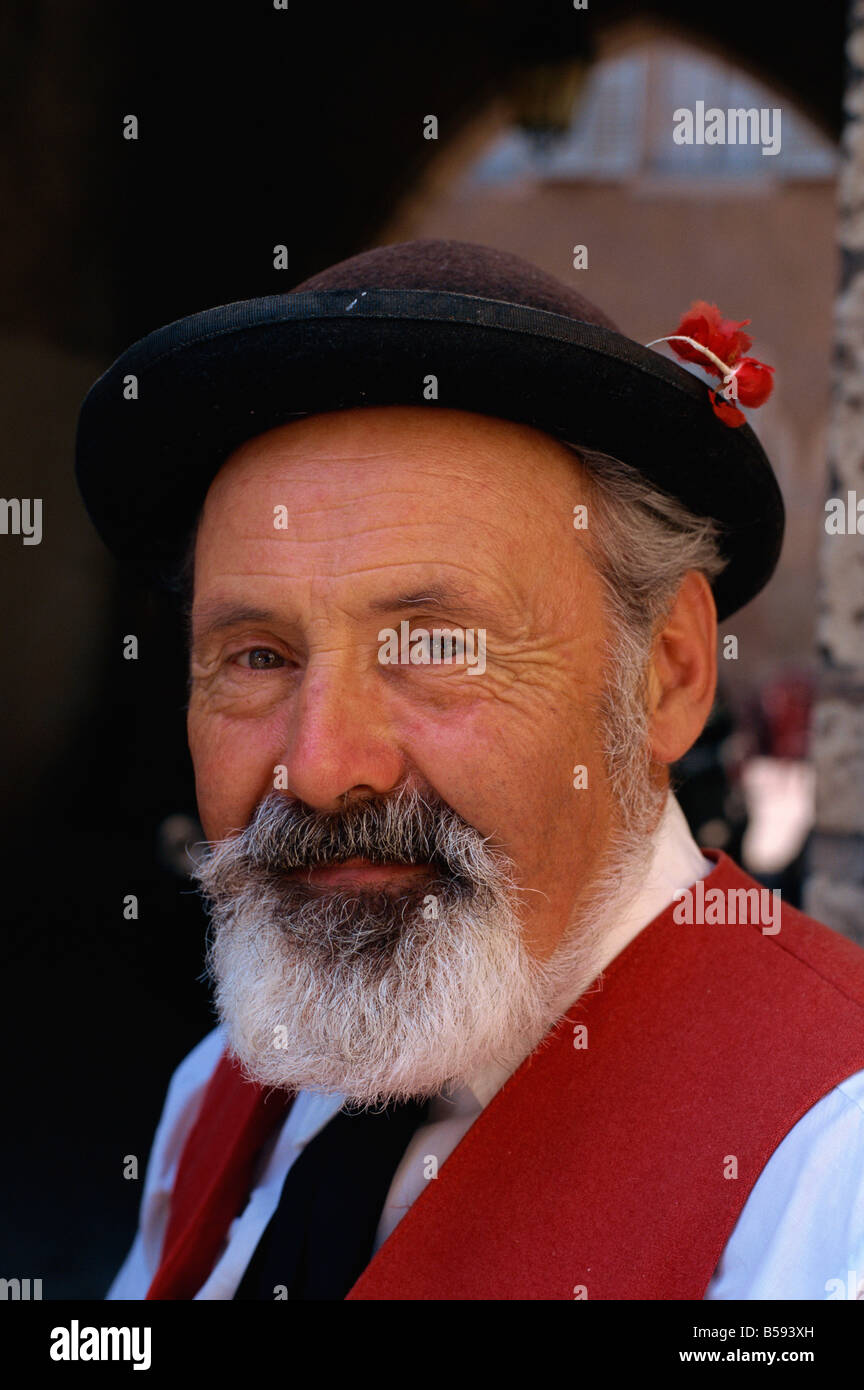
[{"x": 500, "y": 336}]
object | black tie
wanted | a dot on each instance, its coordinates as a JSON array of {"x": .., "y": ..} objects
[{"x": 321, "y": 1236}]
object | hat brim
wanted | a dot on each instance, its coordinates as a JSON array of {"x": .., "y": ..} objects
[{"x": 210, "y": 381}]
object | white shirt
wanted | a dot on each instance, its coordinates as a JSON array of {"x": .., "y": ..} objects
[{"x": 800, "y": 1234}]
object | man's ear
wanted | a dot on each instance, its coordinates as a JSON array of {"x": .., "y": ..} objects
[{"x": 682, "y": 675}]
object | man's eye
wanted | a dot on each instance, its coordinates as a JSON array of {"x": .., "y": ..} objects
[{"x": 261, "y": 659}]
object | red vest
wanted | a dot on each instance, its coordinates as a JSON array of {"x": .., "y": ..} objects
[{"x": 602, "y": 1171}]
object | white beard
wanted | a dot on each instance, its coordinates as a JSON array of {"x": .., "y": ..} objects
[{"x": 370, "y": 996}]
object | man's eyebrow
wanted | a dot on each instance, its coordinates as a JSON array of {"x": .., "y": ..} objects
[
  {"x": 213, "y": 615},
  {"x": 444, "y": 597},
  {"x": 216, "y": 615}
]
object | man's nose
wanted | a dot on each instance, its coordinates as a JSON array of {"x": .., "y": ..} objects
[{"x": 339, "y": 738}]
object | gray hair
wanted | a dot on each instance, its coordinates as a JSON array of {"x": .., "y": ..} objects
[{"x": 641, "y": 543}]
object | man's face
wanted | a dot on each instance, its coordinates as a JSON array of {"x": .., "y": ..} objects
[
  {"x": 316, "y": 536},
  {"x": 406, "y": 886}
]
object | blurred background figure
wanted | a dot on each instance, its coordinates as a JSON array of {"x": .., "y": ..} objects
[{"x": 779, "y": 787}]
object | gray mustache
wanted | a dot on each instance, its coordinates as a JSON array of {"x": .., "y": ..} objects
[{"x": 285, "y": 835}]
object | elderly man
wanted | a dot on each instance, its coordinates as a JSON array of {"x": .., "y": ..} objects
[{"x": 491, "y": 1025}]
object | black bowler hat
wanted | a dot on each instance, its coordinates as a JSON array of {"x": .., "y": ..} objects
[{"x": 502, "y": 338}]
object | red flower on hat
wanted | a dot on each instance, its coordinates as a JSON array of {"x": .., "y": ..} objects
[
  {"x": 704, "y": 323},
  {"x": 717, "y": 344}
]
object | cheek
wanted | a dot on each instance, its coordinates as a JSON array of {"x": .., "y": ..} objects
[
  {"x": 458, "y": 751},
  {"x": 233, "y": 765},
  {"x": 509, "y": 771}
]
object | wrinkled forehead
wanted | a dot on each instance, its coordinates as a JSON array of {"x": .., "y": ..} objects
[
  {"x": 355, "y": 491},
  {"x": 393, "y": 444}
]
